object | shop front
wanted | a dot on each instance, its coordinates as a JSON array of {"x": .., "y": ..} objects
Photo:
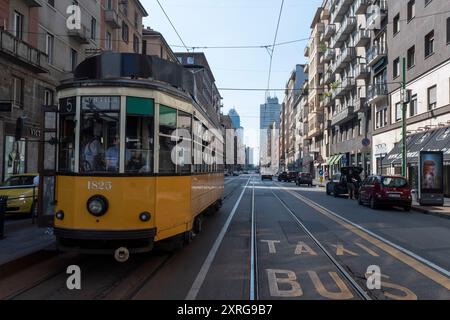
[{"x": 432, "y": 140}]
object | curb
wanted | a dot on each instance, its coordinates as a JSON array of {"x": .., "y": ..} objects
[{"x": 432, "y": 213}]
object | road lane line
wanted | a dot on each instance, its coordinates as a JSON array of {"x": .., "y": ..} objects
[
  {"x": 420, "y": 264},
  {"x": 363, "y": 294},
  {"x": 198, "y": 282}
]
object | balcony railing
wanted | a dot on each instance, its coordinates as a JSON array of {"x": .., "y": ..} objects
[
  {"x": 306, "y": 51},
  {"x": 329, "y": 55},
  {"x": 361, "y": 6},
  {"x": 360, "y": 104},
  {"x": 361, "y": 72},
  {"x": 377, "y": 92},
  {"x": 362, "y": 38},
  {"x": 329, "y": 76},
  {"x": 375, "y": 54},
  {"x": 346, "y": 28},
  {"x": 341, "y": 7},
  {"x": 21, "y": 51},
  {"x": 112, "y": 18},
  {"x": 344, "y": 115},
  {"x": 347, "y": 55},
  {"x": 330, "y": 30}
]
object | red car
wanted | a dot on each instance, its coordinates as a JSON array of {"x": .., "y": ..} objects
[{"x": 385, "y": 190}]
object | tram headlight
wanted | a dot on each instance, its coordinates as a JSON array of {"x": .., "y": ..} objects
[
  {"x": 145, "y": 216},
  {"x": 60, "y": 215},
  {"x": 97, "y": 205}
]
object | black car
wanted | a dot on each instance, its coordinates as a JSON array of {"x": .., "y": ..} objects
[
  {"x": 338, "y": 183},
  {"x": 287, "y": 176},
  {"x": 304, "y": 178}
]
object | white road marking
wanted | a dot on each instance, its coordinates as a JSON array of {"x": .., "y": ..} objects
[
  {"x": 253, "y": 289},
  {"x": 198, "y": 282}
]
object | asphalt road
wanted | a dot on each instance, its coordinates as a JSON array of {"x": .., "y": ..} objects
[{"x": 270, "y": 240}]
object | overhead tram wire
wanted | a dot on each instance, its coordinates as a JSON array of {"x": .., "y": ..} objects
[
  {"x": 273, "y": 46},
  {"x": 175, "y": 29}
]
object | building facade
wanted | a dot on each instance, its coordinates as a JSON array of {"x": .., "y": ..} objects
[
  {"x": 38, "y": 50},
  {"x": 269, "y": 112}
]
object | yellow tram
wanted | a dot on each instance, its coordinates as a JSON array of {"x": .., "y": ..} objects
[{"x": 125, "y": 177}]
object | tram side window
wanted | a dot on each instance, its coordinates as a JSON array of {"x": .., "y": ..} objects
[
  {"x": 205, "y": 150},
  {"x": 184, "y": 144},
  {"x": 167, "y": 126},
  {"x": 139, "y": 144},
  {"x": 99, "y": 134},
  {"x": 197, "y": 145},
  {"x": 67, "y": 127}
]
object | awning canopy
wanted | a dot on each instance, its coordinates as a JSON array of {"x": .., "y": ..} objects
[
  {"x": 331, "y": 159},
  {"x": 433, "y": 140},
  {"x": 337, "y": 159}
]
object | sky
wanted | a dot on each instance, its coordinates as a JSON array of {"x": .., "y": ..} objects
[{"x": 239, "y": 23}]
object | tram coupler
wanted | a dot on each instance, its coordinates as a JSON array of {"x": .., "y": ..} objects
[{"x": 121, "y": 254}]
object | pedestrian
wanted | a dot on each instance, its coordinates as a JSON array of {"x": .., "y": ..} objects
[{"x": 351, "y": 187}]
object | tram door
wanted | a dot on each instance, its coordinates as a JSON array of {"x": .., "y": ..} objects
[{"x": 47, "y": 166}]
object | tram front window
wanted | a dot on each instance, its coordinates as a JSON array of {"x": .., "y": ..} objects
[{"x": 99, "y": 134}]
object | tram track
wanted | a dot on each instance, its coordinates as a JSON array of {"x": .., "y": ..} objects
[{"x": 342, "y": 270}]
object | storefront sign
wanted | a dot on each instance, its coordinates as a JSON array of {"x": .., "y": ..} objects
[{"x": 431, "y": 182}]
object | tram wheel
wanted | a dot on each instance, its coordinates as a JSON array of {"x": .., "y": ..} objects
[{"x": 197, "y": 225}]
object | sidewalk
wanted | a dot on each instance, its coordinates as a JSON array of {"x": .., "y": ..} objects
[
  {"x": 443, "y": 212},
  {"x": 22, "y": 238}
]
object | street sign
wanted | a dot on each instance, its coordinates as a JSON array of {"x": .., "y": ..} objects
[
  {"x": 366, "y": 142},
  {"x": 321, "y": 173}
]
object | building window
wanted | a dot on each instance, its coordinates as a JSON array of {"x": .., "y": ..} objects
[
  {"x": 432, "y": 97},
  {"x": 51, "y": 2},
  {"x": 396, "y": 24},
  {"x": 18, "y": 25},
  {"x": 413, "y": 106},
  {"x": 411, "y": 57},
  {"x": 18, "y": 91},
  {"x": 135, "y": 44},
  {"x": 429, "y": 44},
  {"x": 109, "y": 4},
  {"x": 398, "y": 111},
  {"x": 381, "y": 118},
  {"x": 124, "y": 32},
  {"x": 48, "y": 97},
  {"x": 359, "y": 127},
  {"x": 411, "y": 10},
  {"x": 49, "y": 47},
  {"x": 73, "y": 59},
  {"x": 93, "y": 28},
  {"x": 136, "y": 20},
  {"x": 108, "y": 41},
  {"x": 396, "y": 71}
]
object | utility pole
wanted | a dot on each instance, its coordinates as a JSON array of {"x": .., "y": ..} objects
[{"x": 404, "y": 106}]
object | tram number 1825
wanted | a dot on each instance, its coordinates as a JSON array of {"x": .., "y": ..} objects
[{"x": 99, "y": 185}]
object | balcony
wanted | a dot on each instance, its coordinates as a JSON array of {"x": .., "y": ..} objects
[
  {"x": 361, "y": 72},
  {"x": 347, "y": 55},
  {"x": 315, "y": 125},
  {"x": 375, "y": 54},
  {"x": 330, "y": 30},
  {"x": 348, "y": 84},
  {"x": 306, "y": 51},
  {"x": 340, "y": 10},
  {"x": 377, "y": 15},
  {"x": 329, "y": 77},
  {"x": 346, "y": 28},
  {"x": 112, "y": 18},
  {"x": 20, "y": 51},
  {"x": 362, "y": 38},
  {"x": 377, "y": 93},
  {"x": 325, "y": 14},
  {"x": 82, "y": 35},
  {"x": 306, "y": 68},
  {"x": 360, "y": 105},
  {"x": 329, "y": 55},
  {"x": 320, "y": 28},
  {"x": 343, "y": 116},
  {"x": 361, "y": 6},
  {"x": 327, "y": 101}
]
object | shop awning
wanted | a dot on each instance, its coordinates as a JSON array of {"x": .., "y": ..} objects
[
  {"x": 433, "y": 140},
  {"x": 330, "y": 160},
  {"x": 337, "y": 159}
]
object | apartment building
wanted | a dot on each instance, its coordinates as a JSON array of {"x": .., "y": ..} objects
[
  {"x": 38, "y": 50},
  {"x": 315, "y": 142},
  {"x": 348, "y": 40},
  {"x": 419, "y": 33},
  {"x": 154, "y": 44}
]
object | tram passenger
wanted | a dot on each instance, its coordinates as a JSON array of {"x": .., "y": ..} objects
[
  {"x": 112, "y": 155},
  {"x": 92, "y": 153}
]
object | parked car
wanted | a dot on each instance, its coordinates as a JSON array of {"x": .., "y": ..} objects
[
  {"x": 22, "y": 192},
  {"x": 287, "y": 176},
  {"x": 304, "y": 178},
  {"x": 385, "y": 190},
  {"x": 338, "y": 182}
]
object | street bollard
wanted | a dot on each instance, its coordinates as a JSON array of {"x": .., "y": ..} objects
[{"x": 3, "y": 203}]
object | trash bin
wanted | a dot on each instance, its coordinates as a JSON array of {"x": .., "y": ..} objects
[{"x": 3, "y": 201}]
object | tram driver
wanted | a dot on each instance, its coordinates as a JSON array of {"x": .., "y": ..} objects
[{"x": 92, "y": 152}]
